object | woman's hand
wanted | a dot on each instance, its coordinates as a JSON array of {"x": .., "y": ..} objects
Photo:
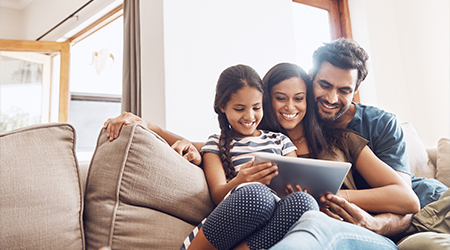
[
  {"x": 289, "y": 189},
  {"x": 114, "y": 125},
  {"x": 262, "y": 173},
  {"x": 185, "y": 148}
]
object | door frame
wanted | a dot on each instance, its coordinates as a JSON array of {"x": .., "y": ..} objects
[{"x": 44, "y": 46}]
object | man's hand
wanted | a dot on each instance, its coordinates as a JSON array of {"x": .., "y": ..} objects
[
  {"x": 341, "y": 209},
  {"x": 188, "y": 151},
  {"x": 114, "y": 125}
]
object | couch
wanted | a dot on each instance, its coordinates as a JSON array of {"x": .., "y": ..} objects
[{"x": 136, "y": 192}]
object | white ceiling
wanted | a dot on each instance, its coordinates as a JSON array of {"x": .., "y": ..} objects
[{"x": 15, "y": 4}]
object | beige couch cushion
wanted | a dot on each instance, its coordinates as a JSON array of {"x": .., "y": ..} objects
[
  {"x": 138, "y": 185},
  {"x": 443, "y": 161},
  {"x": 40, "y": 196},
  {"x": 419, "y": 162}
]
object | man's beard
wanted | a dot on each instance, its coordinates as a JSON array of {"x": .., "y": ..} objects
[{"x": 332, "y": 119}]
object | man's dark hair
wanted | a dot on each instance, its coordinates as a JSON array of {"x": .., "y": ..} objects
[{"x": 342, "y": 53}]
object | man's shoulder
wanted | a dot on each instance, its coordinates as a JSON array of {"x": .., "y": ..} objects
[{"x": 371, "y": 113}]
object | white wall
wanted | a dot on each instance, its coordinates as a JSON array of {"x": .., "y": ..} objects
[
  {"x": 10, "y": 24},
  {"x": 201, "y": 39},
  {"x": 40, "y": 16},
  {"x": 408, "y": 42}
]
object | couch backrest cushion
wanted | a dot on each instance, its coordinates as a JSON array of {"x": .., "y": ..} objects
[
  {"x": 443, "y": 161},
  {"x": 41, "y": 203},
  {"x": 139, "y": 170},
  {"x": 421, "y": 165}
]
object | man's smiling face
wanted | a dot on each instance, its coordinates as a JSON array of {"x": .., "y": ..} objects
[{"x": 334, "y": 89}]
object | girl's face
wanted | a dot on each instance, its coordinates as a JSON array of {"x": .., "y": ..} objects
[
  {"x": 244, "y": 111},
  {"x": 289, "y": 102}
]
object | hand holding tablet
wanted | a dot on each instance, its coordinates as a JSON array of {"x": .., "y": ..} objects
[{"x": 318, "y": 177}]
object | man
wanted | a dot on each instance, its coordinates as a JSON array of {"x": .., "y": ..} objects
[{"x": 339, "y": 67}]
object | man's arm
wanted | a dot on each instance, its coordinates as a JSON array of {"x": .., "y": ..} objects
[
  {"x": 190, "y": 151},
  {"x": 386, "y": 224},
  {"x": 391, "y": 224}
]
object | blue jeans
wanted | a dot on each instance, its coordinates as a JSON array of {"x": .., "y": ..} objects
[{"x": 316, "y": 230}]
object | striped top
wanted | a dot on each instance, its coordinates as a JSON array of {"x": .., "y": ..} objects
[{"x": 242, "y": 149}]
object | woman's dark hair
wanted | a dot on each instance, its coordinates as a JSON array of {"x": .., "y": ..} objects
[
  {"x": 230, "y": 81},
  {"x": 312, "y": 129}
]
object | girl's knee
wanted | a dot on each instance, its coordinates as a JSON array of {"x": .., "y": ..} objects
[
  {"x": 301, "y": 199},
  {"x": 256, "y": 195}
]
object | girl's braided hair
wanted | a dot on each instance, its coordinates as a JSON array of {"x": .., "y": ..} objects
[{"x": 231, "y": 81}]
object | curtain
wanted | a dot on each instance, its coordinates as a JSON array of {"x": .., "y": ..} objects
[{"x": 131, "y": 84}]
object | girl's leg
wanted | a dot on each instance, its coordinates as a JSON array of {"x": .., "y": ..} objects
[
  {"x": 288, "y": 211},
  {"x": 200, "y": 242},
  {"x": 245, "y": 210}
]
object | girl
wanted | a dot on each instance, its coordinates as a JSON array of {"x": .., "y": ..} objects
[{"x": 250, "y": 215}]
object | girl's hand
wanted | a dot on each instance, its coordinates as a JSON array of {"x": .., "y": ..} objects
[
  {"x": 289, "y": 189},
  {"x": 114, "y": 125},
  {"x": 262, "y": 173}
]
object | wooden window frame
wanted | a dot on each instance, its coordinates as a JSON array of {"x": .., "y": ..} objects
[
  {"x": 339, "y": 19},
  {"x": 97, "y": 25},
  {"x": 48, "y": 47}
]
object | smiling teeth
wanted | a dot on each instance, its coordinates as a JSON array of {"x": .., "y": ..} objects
[
  {"x": 327, "y": 106},
  {"x": 247, "y": 124},
  {"x": 289, "y": 116}
]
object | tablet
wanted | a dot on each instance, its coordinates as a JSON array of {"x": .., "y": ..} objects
[{"x": 318, "y": 177}]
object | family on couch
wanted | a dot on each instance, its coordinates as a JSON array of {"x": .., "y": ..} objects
[{"x": 371, "y": 198}]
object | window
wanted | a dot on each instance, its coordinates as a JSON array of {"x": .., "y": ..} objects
[
  {"x": 33, "y": 83},
  {"x": 318, "y": 21},
  {"x": 95, "y": 79}
]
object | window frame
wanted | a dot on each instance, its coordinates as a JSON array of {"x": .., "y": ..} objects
[
  {"x": 339, "y": 19},
  {"x": 63, "y": 48}
]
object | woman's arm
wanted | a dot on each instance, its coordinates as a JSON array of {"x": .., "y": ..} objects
[
  {"x": 389, "y": 192},
  {"x": 217, "y": 182}
]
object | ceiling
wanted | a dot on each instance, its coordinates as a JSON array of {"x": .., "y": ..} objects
[{"x": 15, "y": 4}]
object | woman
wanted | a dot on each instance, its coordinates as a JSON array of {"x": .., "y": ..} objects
[{"x": 288, "y": 90}]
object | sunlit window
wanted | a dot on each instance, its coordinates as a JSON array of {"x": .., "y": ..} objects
[
  {"x": 95, "y": 84},
  {"x": 311, "y": 29},
  {"x": 24, "y": 89}
]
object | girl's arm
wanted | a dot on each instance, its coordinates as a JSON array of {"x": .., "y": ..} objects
[
  {"x": 292, "y": 154},
  {"x": 389, "y": 192},
  {"x": 217, "y": 182}
]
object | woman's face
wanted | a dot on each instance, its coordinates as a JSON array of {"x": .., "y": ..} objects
[{"x": 289, "y": 102}]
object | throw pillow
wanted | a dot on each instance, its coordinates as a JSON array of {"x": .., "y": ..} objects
[
  {"x": 419, "y": 162},
  {"x": 443, "y": 161}
]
